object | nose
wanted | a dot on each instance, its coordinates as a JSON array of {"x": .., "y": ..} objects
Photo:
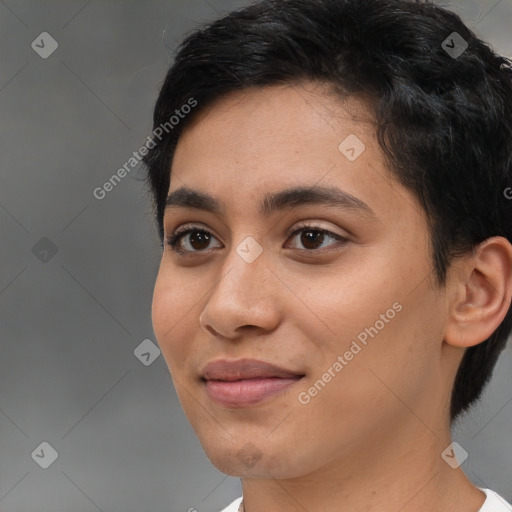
[{"x": 245, "y": 295}]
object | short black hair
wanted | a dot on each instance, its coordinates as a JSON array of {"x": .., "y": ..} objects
[{"x": 444, "y": 119}]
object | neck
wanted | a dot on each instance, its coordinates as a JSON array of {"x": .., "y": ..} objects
[{"x": 406, "y": 475}]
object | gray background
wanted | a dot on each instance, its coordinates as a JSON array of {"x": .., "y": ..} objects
[{"x": 70, "y": 321}]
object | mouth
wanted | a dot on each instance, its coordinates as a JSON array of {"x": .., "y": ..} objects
[
  {"x": 246, "y": 392},
  {"x": 246, "y": 382}
]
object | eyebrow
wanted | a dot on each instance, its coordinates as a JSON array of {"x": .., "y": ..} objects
[{"x": 186, "y": 197}]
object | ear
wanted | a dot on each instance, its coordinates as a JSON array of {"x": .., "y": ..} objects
[{"x": 481, "y": 290}]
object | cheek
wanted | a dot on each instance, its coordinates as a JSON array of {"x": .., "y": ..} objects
[
  {"x": 402, "y": 358},
  {"x": 161, "y": 309},
  {"x": 385, "y": 325},
  {"x": 172, "y": 318},
  {"x": 172, "y": 299}
]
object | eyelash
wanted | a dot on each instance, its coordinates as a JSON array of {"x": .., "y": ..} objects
[{"x": 174, "y": 239}]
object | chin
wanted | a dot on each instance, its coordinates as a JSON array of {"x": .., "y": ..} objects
[{"x": 243, "y": 459}]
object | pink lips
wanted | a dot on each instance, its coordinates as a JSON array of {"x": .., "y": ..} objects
[{"x": 245, "y": 382}]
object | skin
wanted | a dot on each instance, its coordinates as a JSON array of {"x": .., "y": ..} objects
[{"x": 372, "y": 438}]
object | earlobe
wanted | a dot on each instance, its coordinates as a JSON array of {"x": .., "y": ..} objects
[{"x": 482, "y": 293}]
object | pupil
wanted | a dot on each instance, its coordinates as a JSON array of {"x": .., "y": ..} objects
[
  {"x": 313, "y": 239},
  {"x": 196, "y": 237}
]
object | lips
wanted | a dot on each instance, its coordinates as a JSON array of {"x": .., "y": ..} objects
[
  {"x": 245, "y": 369},
  {"x": 246, "y": 382}
]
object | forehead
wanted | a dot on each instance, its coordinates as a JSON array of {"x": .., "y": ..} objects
[
  {"x": 267, "y": 139},
  {"x": 282, "y": 113}
]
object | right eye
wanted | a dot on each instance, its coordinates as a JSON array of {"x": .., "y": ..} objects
[{"x": 202, "y": 237}]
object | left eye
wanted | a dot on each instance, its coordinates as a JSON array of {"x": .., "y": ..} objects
[{"x": 312, "y": 235}]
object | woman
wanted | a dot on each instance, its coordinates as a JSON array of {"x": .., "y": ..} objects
[{"x": 329, "y": 180}]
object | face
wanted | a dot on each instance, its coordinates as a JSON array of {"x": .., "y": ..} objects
[{"x": 339, "y": 294}]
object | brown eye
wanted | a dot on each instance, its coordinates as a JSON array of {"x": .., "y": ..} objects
[
  {"x": 195, "y": 240},
  {"x": 312, "y": 237},
  {"x": 198, "y": 241}
]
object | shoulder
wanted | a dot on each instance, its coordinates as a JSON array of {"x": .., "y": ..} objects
[
  {"x": 233, "y": 507},
  {"x": 493, "y": 503}
]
